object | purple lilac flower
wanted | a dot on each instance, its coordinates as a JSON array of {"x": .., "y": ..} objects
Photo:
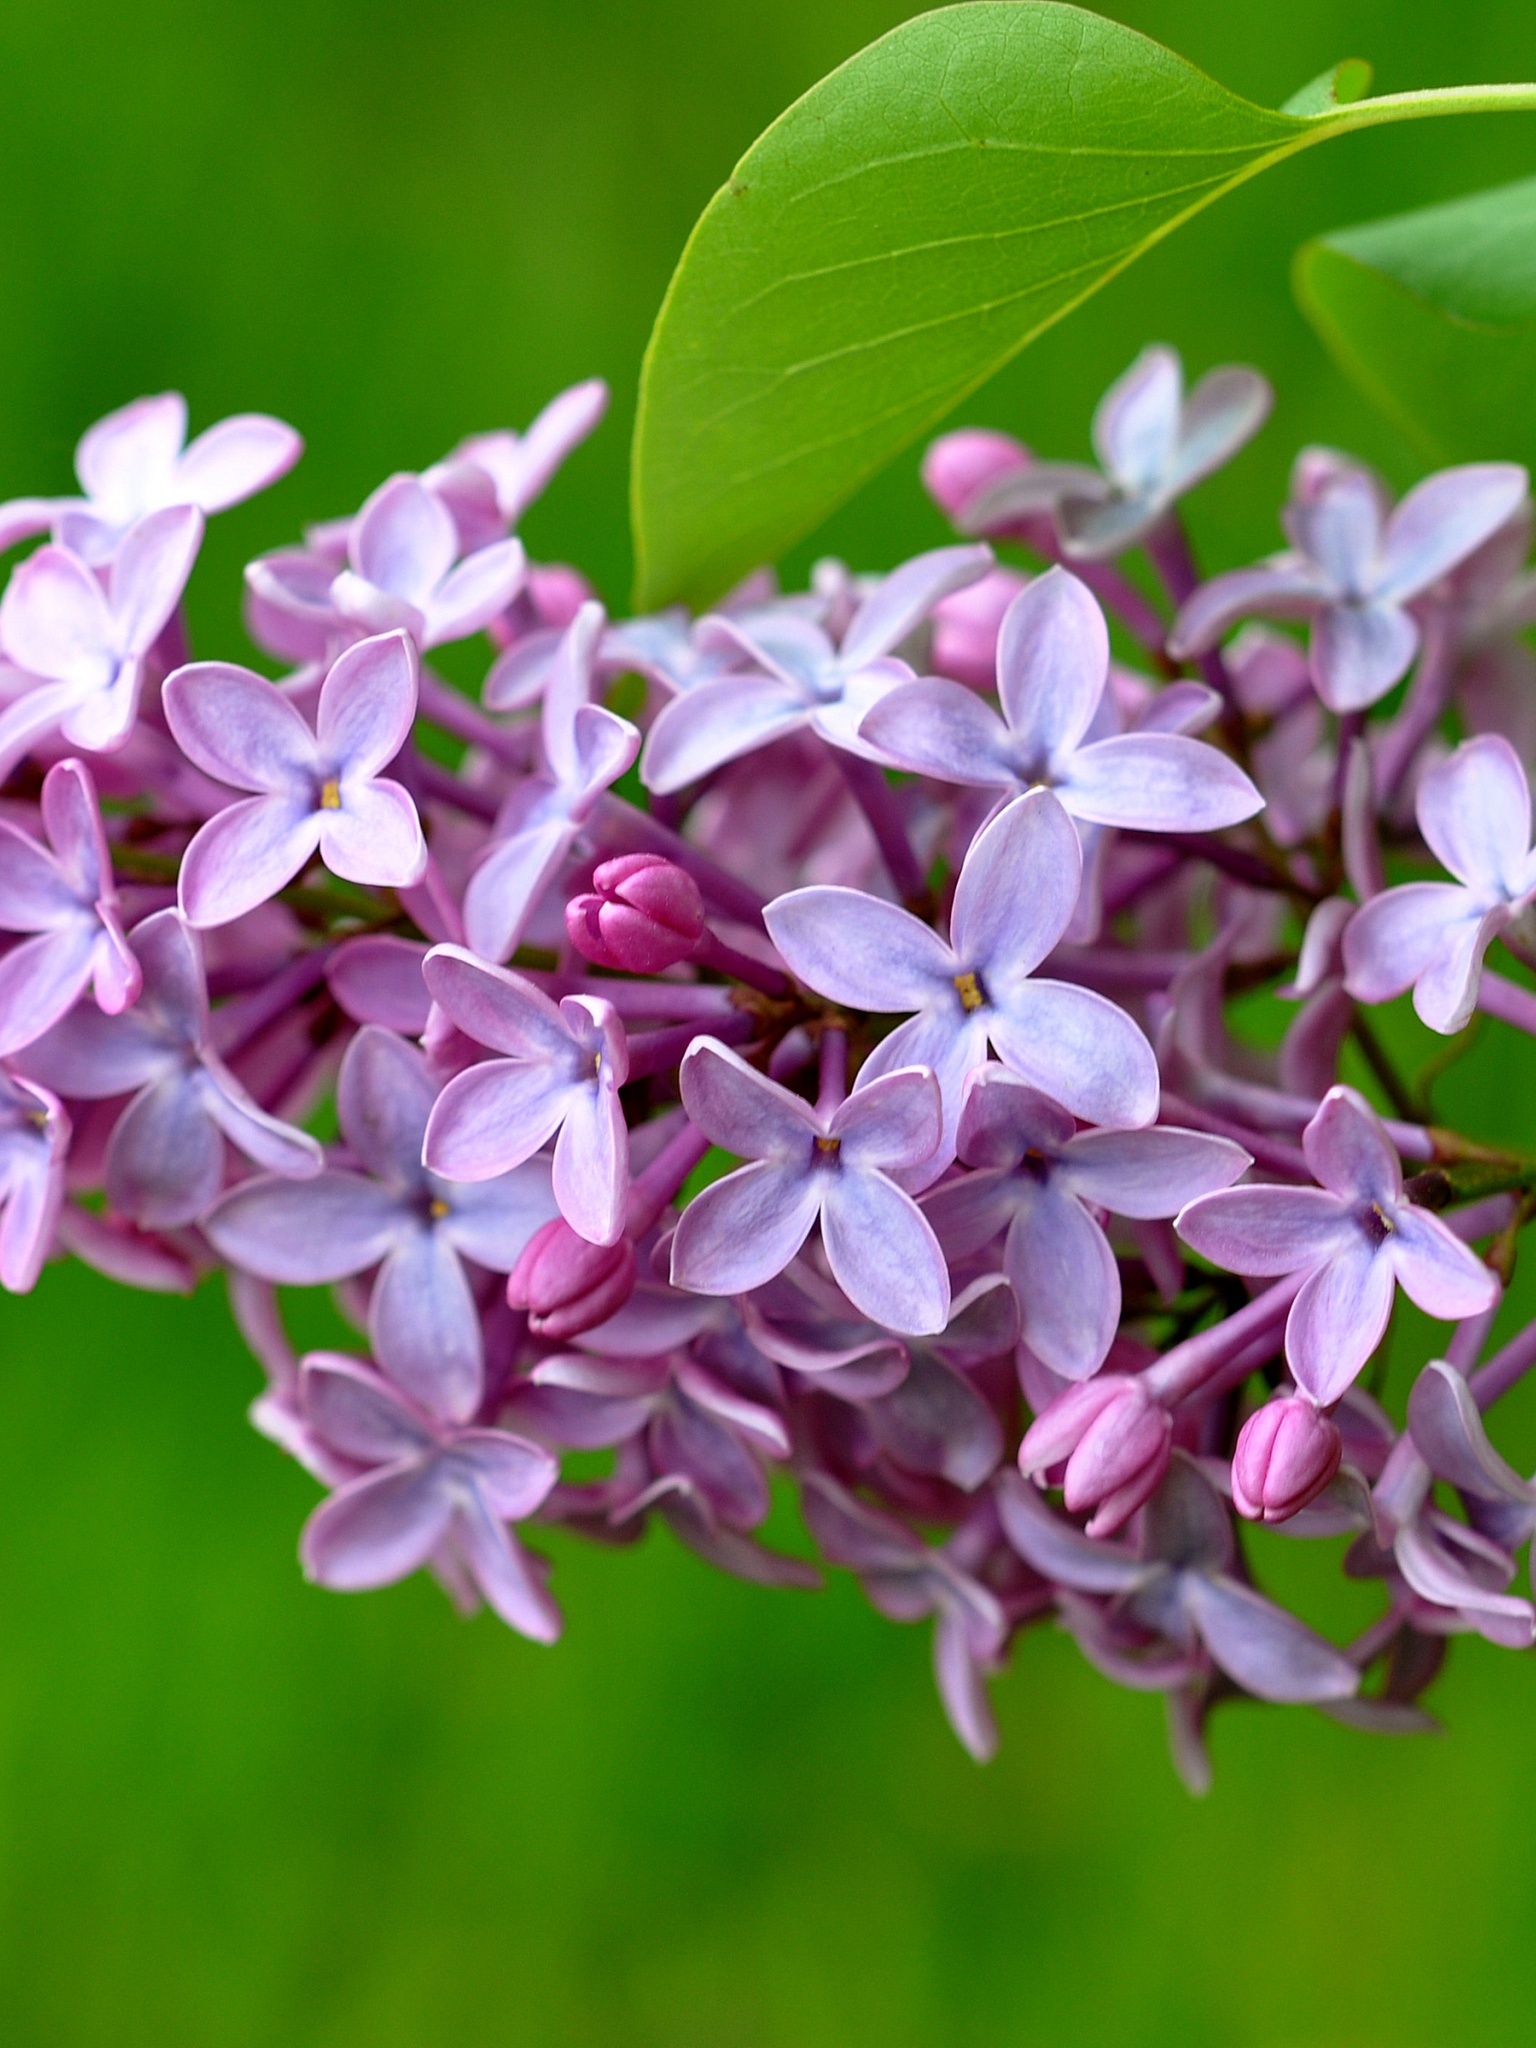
[
  {"x": 34, "y": 1138},
  {"x": 1354, "y": 568},
  {"x": 1041, "y": 1180},
  {"x": 165, "y": 1163},
  {"x": 1475, "y": 814},
  {"x": 585, "y": 748},
  {"x": 317, "y": 792},
  {"x": 1052, "y": 669},
  {"x": 428, "y": 1493},
  {"x": 560, "y": 1070},
  {"x": 809, "y": 1167},
  {"x": 64, "y": 894},
  {"x": 403, "y": 569},
  {"x": 1356, "y": 1237},
  {"x": 134, "y": 462},
  {"x": 418, "y": 1229},
  {"x": 797, "y": 676},
  {"x": 1014, "y": 899},
  {"x": 84, "y": 640}
]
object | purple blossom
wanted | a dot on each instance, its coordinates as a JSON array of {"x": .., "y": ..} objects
[
  {"x": 84, "y": 641},
  {"x": 1355, "y": 1236},
  {"x": 165, "y": 1163},
  {"x": 808, "y": 1167},
  {"x": 797, "y": 675},
  {"x": 418, "y": 1229},
  {"x": 64, "y": 894},
  {"x": 1013, "y": 901},
  {"x": 428, "y": 1493},
  {"x": 560, "y": 1071},
  {"x": 1353, "y": 569},
  {"x": 317, "y": 792},
  {"x": 1052, "y": 669},
  {"x": 1041, "y": 1180},
  {"x": 134, "y": 462},
  {"x": 34, "y": 1137},
  {"x": 403, "y": 569},
  {"x": 1475, "y": 814},
  {"x": 517, "y": 467}
]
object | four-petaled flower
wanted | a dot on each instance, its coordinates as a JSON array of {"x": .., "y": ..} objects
[
  {"x": 403, "y": 569},
  {"x": 1356, "y": 1236}
]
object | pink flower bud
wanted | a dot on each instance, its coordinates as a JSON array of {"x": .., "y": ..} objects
[
  {"x": 568, "y": 1285},
  {"x": 557, "y": 593},
  {"x": 965, "y": 627},
  {"x": 642, "y": 914},
  {"x": 1285, "y": 1456},
  {"x": 959, "y": 465},
  {"x": 1116, "y": 1441}
]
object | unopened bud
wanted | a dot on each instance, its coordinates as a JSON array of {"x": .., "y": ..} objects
[
  {"x": 965, "y": 627},
  {"x": 1287, "y": 1453},
  {"x": 642, "y": 914},
  {"x": 557, "y": 593},
  {"x": 568, "y": 1285},
  {"x": 960, "y": 465},
  {"x": 1116, "y": 1442}
]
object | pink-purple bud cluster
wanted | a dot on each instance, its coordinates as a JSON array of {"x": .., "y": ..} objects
[{"x": 855, "y": 1101}]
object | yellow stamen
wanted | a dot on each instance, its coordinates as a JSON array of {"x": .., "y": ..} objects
[
  {"x": 828, "y": 1145},
  {"x": 968, "y": 988},
  {"x": 330, "y": 794},
  {"x": 439, "y": 1209}
]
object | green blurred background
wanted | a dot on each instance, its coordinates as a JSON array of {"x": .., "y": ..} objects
[{"x": 234, "y": 1810}]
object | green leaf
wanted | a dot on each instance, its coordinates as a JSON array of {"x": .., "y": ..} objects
[
  {"x": 903, "y": 230},
  {"x": 1433, "y": 314}
]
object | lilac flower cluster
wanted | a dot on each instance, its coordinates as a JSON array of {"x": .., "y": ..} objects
[{"x": 793, "y": 1045}]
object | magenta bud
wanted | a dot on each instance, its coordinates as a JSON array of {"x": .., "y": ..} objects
[
  {"x": 642, "y": 914},
  {"x": 557, "y": 593},
  {"x": 1286, "y": 1454},
  {"x": 959, "y": 465},
  {"x": 1116, "y": 1441},
  {"x": 965, "y": 628},
  {"x": 568, "y": 1285}
]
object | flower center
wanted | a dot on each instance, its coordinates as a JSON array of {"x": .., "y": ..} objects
[
  {"x": 437, "y": 1209},
  {"x": 330, "y": 794},
  {"x": 828, "y": 1148},
  {"x": 1376, "y": 1223},
  {"x": 970, "y": 991}
]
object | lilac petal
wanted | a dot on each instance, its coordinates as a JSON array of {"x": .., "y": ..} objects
[
  {"x": 1136, "y": 424},
  {"x": 1445, "y": 994},
  {"x": 968, "y": 1212},
  {"x": 359, "y": 1413},
  {"x": 54, "y": 620},
  {"x": 375, "y": 837},
  {"x": 1057, "y": 1549},
  {"x": 508, "y": 1581},
  {"x": 1449, "y": 1434},
  {"x": 72, "y": 821},
  {"x": 520, "y": 674},
  {"x": 512, "y": 1476},
  {"x": 1442, "y": 520},
  {"x": 425, "y": 1326},
  {"x": 1016, "y": 894},
  {"x": 403, "y": 540},
  {"x": 1338, "y": 1319},
  {"x": 377, "y": 1529},
  {"x": 1223, "y": 412},
  {"x": 1436, "y": 1271},
  {"x": 950, "y": 1044},
  {"x": 883, "y": 1253},
  {"x": 239, "y": 729},
  {"x": 1078, "y": 1047},
  {"x": 24, "y": 519},
  {"x": 367, "y": 703},
  {"x": 29, "y": 716},
  {"x": 243, "y": 856},
  {"x": 1429, "y": 1561},
  {"x": 1066, "y": 1280},
  {"x": 131, "y": 449},
  {"x": 894, "y": 1120},
  {"x": 901, "y": 602},
  {"x": 1359, "y": 650},
  {"x": 306, "y": 1233},
  {"x": 1289, "y": 589},
  {"x": 471, "y": 595},
  {"x": 384, "y": 1096},
  {"x": 1395, "y": 938},
  {"x": 1349, "y": 1152},
  {"x": 1149, "y": 1173},
  {"x": 101, "y": 722},
  {"x": 743, "y": 1230},
  {"x": 506, "y": 888},
  {"x": 742, "y": 1110},
  {"x": 165, "y": 1162},
  {"x": 1269, "y": 1652},
  {"x": 1052, "y": 664},
  {"x": 591, "y": 1171},
  {"x": 939, "y": 728},
  {"x": 715, "y": 723},
  {"x": 569, "y": 689},
  {"x": 1263, "y": 1230},
  {"x": 40, "y": 980},
  {"x": 235, "y": 459},
  {"x": 1157, "y": 782},
  {"x": 561, "y": 427},
  {"x": 495, "y": 1007},
  {"x": 491, "y": 1221},
  {"x": 288, "y": 607},
  {"x": 494, "y": 1116},
  {"x": 262, "y": 1137},
  {"x": 377, "y": 980},
  {"x": 1004, "y": 1118},
  {"x": 858, "y": 949},
  {"x": 1475, "y": 813},
  {"x": 961, "y": 1690},
  {"x": 149, "y": 573}
]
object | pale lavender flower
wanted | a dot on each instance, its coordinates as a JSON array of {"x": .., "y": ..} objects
[
  {"x": 1474, "y": 811},
  {"x": 560, "y": 1071},
  {"x": 134, "y": 462},
  {"x": 403, "y": 569},
  {"x": 1355, "y": 1236},
  {"x": 430, "y": 1494},
  {"x": 318, "y": 792},
  {"x": 585, "y": 748},
  {"x": 165, "y": 1162},
  {"x": 1041, "y": 1180},
  {"x": 1013, "y": 901},
  {"x": 517, "y": 467},
  {"x": 797, "y": 675},
  {"x": 1353, "y": 569},
  {"x": 1052, "y": 670},
  {"x": 34, "y": 1138},
  {"x": 84, "y": 640},
  {"x": 807, "y": 1167},
  {"x": 1153, "y": 443},
  {"x": 64, "y": 894},
  {"x": 418, "y": 1229}
]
